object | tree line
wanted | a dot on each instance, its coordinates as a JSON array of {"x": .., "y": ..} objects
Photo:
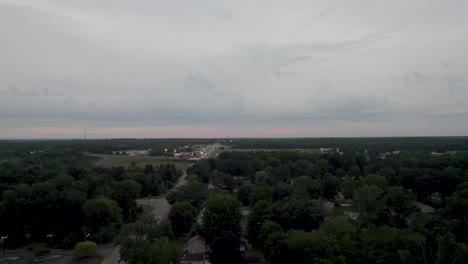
[
  {"x": 59, "y": 198},
  {"x": 375, "y": 219}
]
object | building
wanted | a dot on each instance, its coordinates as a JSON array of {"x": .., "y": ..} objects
[{"x": 194, "y": 251}]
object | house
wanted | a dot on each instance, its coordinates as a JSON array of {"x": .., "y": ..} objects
[
  {"x": 352, "y": 215},
  {"x": 244, "y": 245},
  {"x": 194, "y": 251},
  {"x": 426, "y": 209},
  {"x": 326, "y": 150}
]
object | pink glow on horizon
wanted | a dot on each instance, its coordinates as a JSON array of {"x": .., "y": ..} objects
[
  {"x": 280, "y": 132},
  {"x": 126, "y": 132}
]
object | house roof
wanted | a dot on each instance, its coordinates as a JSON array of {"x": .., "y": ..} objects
[{"x": 193, "y": 239}]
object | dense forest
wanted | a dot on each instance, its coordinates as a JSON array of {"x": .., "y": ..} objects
[
  {"x": 64, "y": 194},
  {"x": 352, "y": 206},
  {"x": 372, "y": 145},
  {"x": 378, "y": 206}
]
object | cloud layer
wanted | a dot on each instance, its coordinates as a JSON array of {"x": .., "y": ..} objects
[{"x": 231, "y": 68}]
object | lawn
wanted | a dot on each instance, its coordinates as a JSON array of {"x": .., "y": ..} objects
[
  {"x": 270, "y": 150},
  {"x": 141, "y": 161}
]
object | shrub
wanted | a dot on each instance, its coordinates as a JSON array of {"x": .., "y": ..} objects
[{"x": 85, "y": 249}]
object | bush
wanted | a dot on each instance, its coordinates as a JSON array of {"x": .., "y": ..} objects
[
  {"x": 85, "y": 249},
  {"x": 41, "y": 251}
]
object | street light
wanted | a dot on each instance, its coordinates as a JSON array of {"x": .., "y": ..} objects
[
  {"x": 2, "y": 239},
  {"x": 49, "y": 236},
  {"x": 100, "y": 244}
]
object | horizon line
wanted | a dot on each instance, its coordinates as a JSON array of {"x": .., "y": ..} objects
[{"x": 305, "y": 137}]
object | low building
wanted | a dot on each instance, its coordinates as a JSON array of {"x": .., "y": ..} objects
[
  {"x": 194, "y": 251},
  {"x": 424, "y": 208}
]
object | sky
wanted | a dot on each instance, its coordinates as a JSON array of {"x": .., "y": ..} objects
[{"x": 214, "y": 68}]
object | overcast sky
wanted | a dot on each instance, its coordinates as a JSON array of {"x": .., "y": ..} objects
[{"x": 233, "y": 68}]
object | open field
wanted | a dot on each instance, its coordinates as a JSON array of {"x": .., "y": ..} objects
[
  {"x": 141, "y": 161},
  {"x": 269, "y": 150}
]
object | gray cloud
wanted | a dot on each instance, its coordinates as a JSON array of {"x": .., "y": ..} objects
[{"x": 305, "y": 66}]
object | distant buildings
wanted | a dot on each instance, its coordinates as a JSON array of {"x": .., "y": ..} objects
[
  {"x": 139, "y": 152},
  {"x": 326, "y": 150}
]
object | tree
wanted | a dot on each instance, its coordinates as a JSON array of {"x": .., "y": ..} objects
[
  {"x": 243, "y": 194},
  {"x": 313, "y": 171},
  {"x": 225, "y": 248},
  {"x": 457, "y": 210},
  {"x": 160, "y": 251},
  {"x": 182, "y": 216},
  {"x": 263, "y": 178},
  {"x": 147, "y": 241},
  {"x": 449, "y": 251},
  {"x": 257, "y": 217},
  {"x": 125, "y": 194},
  {"x": 275, "y": 248},
  {"x": 305, "y": 187},
  {"x": 447, "y": 182},
  {"x": 391, "y": 245},
  {"x": 342, "y": 233},
  {"x": 85, "y": 249},
  {"x": 299, "y": 214},
  {"x": 330, "y": 187},
  {"x": 268, "y": 228},
  {"x": 399, "y": 201},
  {"x": 369, "y": 201},
  {"x": 102, "y": 215},
  {"x": 375, "y": 179},
  {"x": 194, "y": 192},
  {"x": 222, "y": 213}
]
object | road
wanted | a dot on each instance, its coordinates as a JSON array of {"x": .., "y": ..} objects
[
  {"x": 182, "y": 180},
  {"x": 161, "y": 208},
  {"x": 209, "y": 152}
]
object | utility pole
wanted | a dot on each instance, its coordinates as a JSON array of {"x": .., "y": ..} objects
[
  {"x": 100, "y": 244},
  {"x": 2, "y": 239},
  {"x": 85, "y": 140}
]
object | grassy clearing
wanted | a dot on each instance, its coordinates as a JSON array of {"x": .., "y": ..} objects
[
  {"x": 146, "y": 209},
  {"x": 141, "y": 161},
  {"x": 216, "y": 152},
  {"x": 270, "y": 150}
]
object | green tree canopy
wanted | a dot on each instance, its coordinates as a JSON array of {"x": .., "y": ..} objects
[
  {"x": 182, "y": 216},
  {"x": 102, "y": 215},
  {"x": 222, "y": 214},
  {"x": 85, "y": 249}
]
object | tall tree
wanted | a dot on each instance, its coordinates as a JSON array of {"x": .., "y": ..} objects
[
  {"x": 182, "y": 216},
  {"x": 102, "y": 215},
  {"x": 369, "y": 202},
  {"x": 222, "y": 214}
]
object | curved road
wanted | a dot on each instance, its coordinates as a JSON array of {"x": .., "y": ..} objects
[{"x": 161, "y": 208}]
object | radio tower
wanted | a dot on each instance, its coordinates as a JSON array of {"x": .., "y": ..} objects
[{"x": 85, "y": 140}]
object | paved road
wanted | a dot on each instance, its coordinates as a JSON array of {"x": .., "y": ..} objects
[
  {"x": 182, "y": 180},
  {"x": 114, "y": 257},
  {"x": 27, "y": 257},
  {"x": 161, "y": 208}
]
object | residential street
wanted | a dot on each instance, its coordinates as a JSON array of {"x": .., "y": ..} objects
[{"x": 161, "y": 208}]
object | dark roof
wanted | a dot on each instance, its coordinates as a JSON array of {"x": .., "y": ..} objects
[{"x": 193, "y": 257}]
